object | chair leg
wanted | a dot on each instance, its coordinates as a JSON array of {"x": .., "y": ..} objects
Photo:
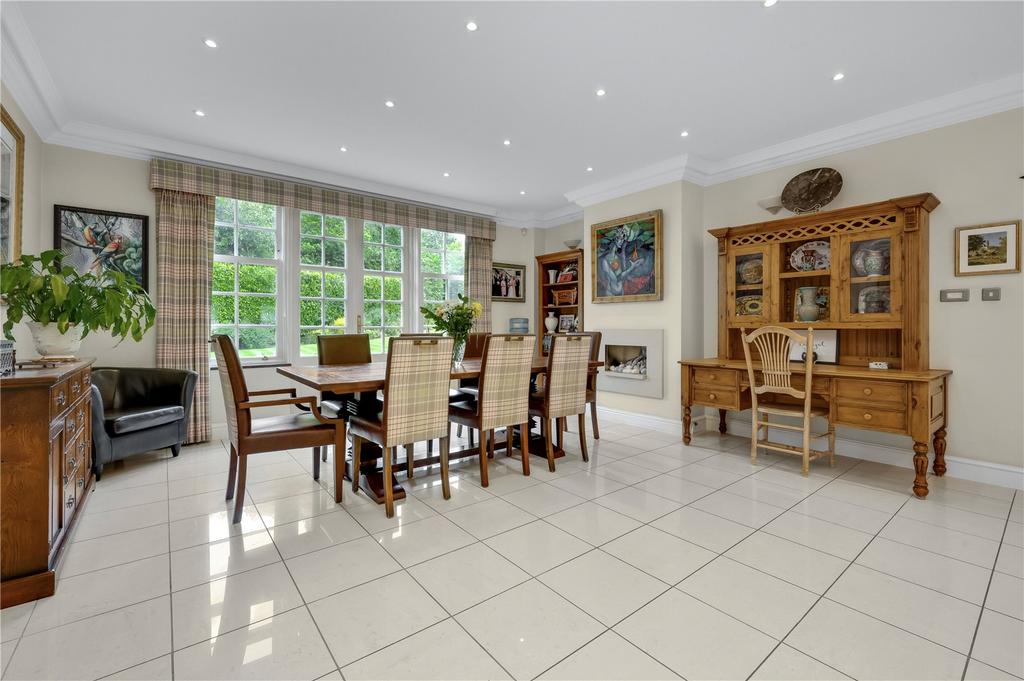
[
  {"x": 559, "y": 427},
  {"x": 357, "y": 451},
  {"x": 240, "y": 492},
  {"x": 547, "y": 444},
  {"x": 176, "y": 449},
  {"x": 339, "y": 461},
  {"x": 316, "y": 463},
  {"x": 316, "y": 455},
  {"x": 482, "y": 450},
  {"x": 755, "y": 432},
  {"x": 490, "y": 443},
  {"x": 470, "y": 433},
  {"x": 524, "y": 446},
  {"x": 805, "y": 468},
  {"x": 389, "y": 491},
  {"x": 232, "y": 468},
  {"x": 831, "y": 445},
  {"x": 583, "y": 435},
  {"x": 445, "y": 485},
  {"x": 458, "y": 430},
  {"x": 410, "y": 460},
  {"x": 593, "y": 420}
]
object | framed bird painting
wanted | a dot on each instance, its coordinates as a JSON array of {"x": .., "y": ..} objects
[{"x": 99, "y": 240}]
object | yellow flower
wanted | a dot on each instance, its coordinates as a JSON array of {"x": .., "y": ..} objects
[
  {"x": 478, "y": 309},
  {"x": 439, "y": 310}
]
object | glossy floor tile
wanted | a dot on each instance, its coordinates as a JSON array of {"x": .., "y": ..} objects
[{"x": 653, "y": 560}]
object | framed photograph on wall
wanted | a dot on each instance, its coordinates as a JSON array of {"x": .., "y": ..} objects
[
  {"x": 993, "y": 248},
  {"x": 625, "y": 259},
  {"x": 100, "y": 240},
  {"x": 826, "y": 347},
  {"x": 508, "y": 283}
]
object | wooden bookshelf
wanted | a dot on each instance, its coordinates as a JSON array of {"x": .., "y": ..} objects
[{"x": 561, "y": 262}]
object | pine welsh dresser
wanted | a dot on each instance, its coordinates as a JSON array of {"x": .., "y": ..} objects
[{"x": 45, "y": 473}]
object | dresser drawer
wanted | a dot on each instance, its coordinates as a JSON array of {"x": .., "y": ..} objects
[
  {"x": 60, "y": 399},
  {"x": 78, "y": 384},
  {"x": 74, "y": 422},
  {"x": 848, "y": 389},
  {"x": 876, "y": 419},
  {"x": 76, "y": 453},
  {"x": 711, "y": 396},
  {"x": 728, "y": 378}
]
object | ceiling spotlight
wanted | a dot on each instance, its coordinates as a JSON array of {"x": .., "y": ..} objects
[
  {"x": 839, "y": 76},
  {"x": 471, "y": 26},
  {"x": 769, "y": 3},
  {"x": 389, "y": 104},
  {"x": 210, "y": 42},
  {"x": 522, "y": 192},
  {"x": 342, "y": 148},
  {"x": 199, "y": 112},
  {"x": 684, "y": 133},
  {"x": 600, "y": 92},
  {"x": 507, "y": 142},
  {"x": 447, "y": 174},
  {"x": 590, "y": 169}
]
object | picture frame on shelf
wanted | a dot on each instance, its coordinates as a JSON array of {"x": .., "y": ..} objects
[
  {"x": 566, "y": 323},
  {"x": 508, "y": 283},
  {"x": 102, "y": 240},
  {"x": 826, "y": 347},
  {"x": 991, "y": 248},
  {"x": 568, "y": 274},
  {"x": 626, "y": 259}
]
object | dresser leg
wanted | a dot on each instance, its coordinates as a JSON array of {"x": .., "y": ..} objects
[
  {"x": 939, "y": 445},
  {"x": 686, "y": 425},
  {"x": 721, "y": 421},
  {"x": 921, "y": 469}
]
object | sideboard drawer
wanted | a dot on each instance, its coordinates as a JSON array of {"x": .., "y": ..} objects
[
  {"x": 723, "y": 377},
  {"x": 871, "y": 417},
  {"x": 59, "y": 398},
  {"x": 849, "y": 389},
  {"x": 710, "y": 396}
]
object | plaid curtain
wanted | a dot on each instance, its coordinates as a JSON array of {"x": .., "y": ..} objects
[
  {"x": 184, "y": 243},
  {"x": 478, "y": 277},
  {"x": 210, "y": 181}
]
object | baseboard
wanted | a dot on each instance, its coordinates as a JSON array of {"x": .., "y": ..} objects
[
  {"x": 659, "y": 423},
  {"x": 956, "y": 467}
]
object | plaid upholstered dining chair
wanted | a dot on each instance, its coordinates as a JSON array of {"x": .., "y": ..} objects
[
  {"x": 565, "y": 389},
  {"x": 248, "y": 435},
  {"x": 415, "y": 405},
  {"x": 503, "y": 398}
]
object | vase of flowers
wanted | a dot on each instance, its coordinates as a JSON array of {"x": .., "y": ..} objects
[{"x": 454, "y": 318}]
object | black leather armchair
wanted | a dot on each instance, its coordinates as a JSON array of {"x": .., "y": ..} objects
[{"x": 137, "y": 410}]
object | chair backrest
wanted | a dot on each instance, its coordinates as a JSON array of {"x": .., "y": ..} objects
[
  {"x": 416, "y": 389},
  {"x": 232, "y": 385},
  {"x": 505, "y": 380},
  {"x": 343, "y": 349},
  {"x": 475, "y": 345},
  {"x": 566, "y": 391},
  {"x": 595, "y": 352},
  {"x": 773, "y": 345}
]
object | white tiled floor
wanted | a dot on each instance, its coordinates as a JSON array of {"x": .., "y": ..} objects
[{"x": 651, "y": 561}]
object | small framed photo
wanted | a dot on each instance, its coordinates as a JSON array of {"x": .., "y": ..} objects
[
  {"x": 993, "y": 248},
  {"x": 508, "y": 282},
  {"x": 826, "y": 347},
  {"x": 566, "y": 323}
]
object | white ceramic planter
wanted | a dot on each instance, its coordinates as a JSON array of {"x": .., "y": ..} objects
[{"x": 50, "y": 342}]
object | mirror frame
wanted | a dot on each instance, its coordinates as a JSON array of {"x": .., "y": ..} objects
[{"x": 19, "y": 181}]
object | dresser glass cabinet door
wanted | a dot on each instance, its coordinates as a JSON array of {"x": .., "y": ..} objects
[
  {"x": 749, "y": 284},
  {"x": 870, "y": 284}
]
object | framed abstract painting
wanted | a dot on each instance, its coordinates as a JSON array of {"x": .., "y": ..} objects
[
  {"x": 99, "y": 240},
  {"x": 626, "y": 259}
]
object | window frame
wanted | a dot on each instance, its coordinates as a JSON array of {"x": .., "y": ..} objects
[
  {"x": 323, "y": 269},
  {"x": 423, "y": 276}
]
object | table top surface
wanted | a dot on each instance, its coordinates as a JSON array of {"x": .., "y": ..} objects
[
  {"x": 828, "y": 370},
  {"x": 359, "y": 377}
]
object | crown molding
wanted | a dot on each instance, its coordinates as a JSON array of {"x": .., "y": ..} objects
[
  {"x": 553, "y": 218},
  {"x": 26, "y": 76},
  {"x": 655, "y": 175}
]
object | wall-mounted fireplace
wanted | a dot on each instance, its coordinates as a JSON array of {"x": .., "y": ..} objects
[
  {"x": 633, "y": 362},
  {"x": 627, "y": 361}
]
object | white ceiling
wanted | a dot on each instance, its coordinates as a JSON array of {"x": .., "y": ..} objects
[{"x": 291, "y": 82}]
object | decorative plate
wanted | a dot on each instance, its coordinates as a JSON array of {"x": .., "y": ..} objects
[
  {"x": 874, "y": 300},
  {"x": 871, "y": 258},
  {"x": 751, "y": 271},
  {"x": 813, "y": 255},
  {"x": 749, "y": 306},
  {"x": 812, "y": 190}
]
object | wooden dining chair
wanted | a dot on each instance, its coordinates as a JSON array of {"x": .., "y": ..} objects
[
  {"x": 595, "y": 352},
  {"x": 565, "y": 389},
  {"x": 415, "y": 405},
  {"x": 248, "y": 435},
  {"x": 772, "y": 345},
  {"x": 334, "y": 349},
  {"x": 502, "y": 401}
]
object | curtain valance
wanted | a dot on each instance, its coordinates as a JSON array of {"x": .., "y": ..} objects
[{"x": 210, "y": 181}]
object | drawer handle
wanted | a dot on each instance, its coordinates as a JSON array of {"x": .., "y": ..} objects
[
  {"x": 65, "y": 480},
  {"x": 75, "y": 388},
  {"x": 712, "y": 396},
  {"x": 711, "y": 377},
  {"x": 867, "y": 391},
  {"x": 867, "y": 416},
  {"x": 81, "y": 482},
  {"x": 70, "y": 502},
  {"x": 61, "y": 399}
]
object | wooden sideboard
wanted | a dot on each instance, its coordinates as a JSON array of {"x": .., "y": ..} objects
[
  {"x": 872, "y": 293},
  {"x": 45, "y": 473}
]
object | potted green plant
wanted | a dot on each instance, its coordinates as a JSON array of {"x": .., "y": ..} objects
[
  {"x": 61, "y": 306},
  {"x": 454, "y": 318}
]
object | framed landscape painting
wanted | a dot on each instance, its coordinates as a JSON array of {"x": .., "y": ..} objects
[
  {"x": 993, "y": 248},
  {"x": 626, "y": 259},
  {"x": 508, "y": 283},
  {"x": 99, "y": 240}
]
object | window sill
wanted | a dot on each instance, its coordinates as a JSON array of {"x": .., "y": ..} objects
[{"x": 258, "y": 365}]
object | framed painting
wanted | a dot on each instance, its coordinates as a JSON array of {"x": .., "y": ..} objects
[
  {"x": 12, "y": 187},
  {"x": 508, "y": 283},
  {"x": 625, "y": 259},
  {"x": 826, "y": 347},
  {"x": 993, "y": 248},
  {"x": 100, "y": 240}
]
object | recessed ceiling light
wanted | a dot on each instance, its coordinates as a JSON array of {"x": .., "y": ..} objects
[
  {"x": 471, "y": 26},
  {"x": 590, "y": 169},
  {"x": 447, "y": 174},
  {"x": 199, "y": 112},
  {"x": 343, "y": 149},
  {"x": 769, "y": 3},
  {"x": 507, "y": 142},
  {"x": 684, "y": 133},
  {"x": 389, "y": 104},
  {"x": 839, "y": 76},
  {"x": 210, "y": 42},
  {"x": 600, "y": 92},
  {"x": 522, "y": 192}
]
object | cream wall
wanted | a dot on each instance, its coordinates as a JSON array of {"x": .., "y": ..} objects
[
  {"x": 555, "y": 237},
  {"x": 515, "y": 248},
  {"x": 974, "y": 169}
]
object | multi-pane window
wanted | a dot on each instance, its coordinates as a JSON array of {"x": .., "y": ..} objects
[
  {"x": 383, "y": 288},
  {"x": 246, "y": 276},
  {"x": 442, "y": 266},
  {"x": 321, "y": 278}
]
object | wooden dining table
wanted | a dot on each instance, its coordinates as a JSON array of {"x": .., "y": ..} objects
[{"x": 369, "y": 377}]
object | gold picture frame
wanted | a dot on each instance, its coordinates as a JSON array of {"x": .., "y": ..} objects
[
  {"x": 626, "y": 259},
  {"x": 13, "y": 197},
  {"x": 995, "y": 249}
]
